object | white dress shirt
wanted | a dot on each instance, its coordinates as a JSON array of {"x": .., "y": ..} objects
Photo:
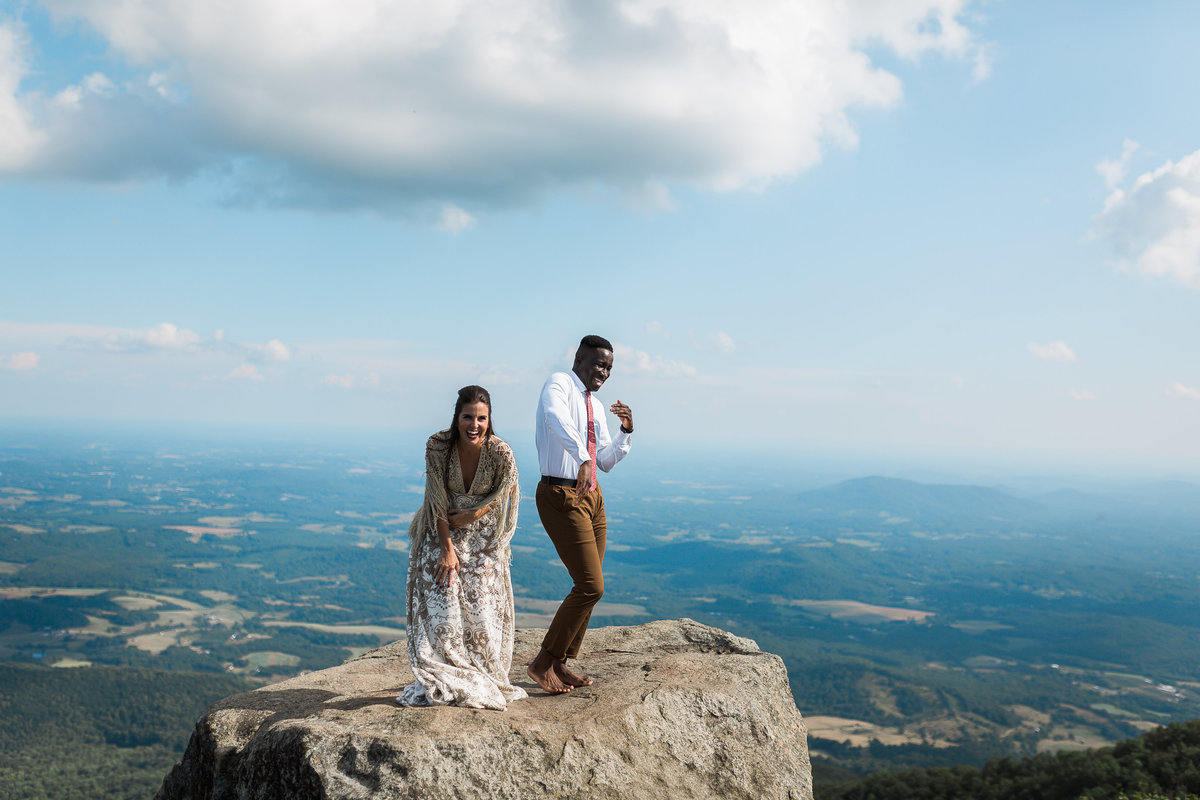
[{"x": 561, "y": 431}]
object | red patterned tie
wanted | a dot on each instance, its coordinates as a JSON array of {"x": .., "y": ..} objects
[{"x": 587, "y": 396}]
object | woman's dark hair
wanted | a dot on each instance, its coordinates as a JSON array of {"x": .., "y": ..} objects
[{"x": 467, "y": 395}]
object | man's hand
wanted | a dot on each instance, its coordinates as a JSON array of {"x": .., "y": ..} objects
[
  {"x": 624, "y": 413},
  {"x": 583, "y": 482}
]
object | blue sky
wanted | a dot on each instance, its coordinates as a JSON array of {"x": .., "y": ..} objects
[{"x": 918, "y": 227}]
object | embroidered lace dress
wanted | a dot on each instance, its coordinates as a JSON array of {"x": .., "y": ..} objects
[{"x": 460, "y": 637}]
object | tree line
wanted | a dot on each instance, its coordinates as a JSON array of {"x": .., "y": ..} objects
[{"x": 1162, "y": 763}]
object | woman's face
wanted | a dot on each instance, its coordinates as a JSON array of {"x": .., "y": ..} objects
[{"x": 473, "y": 423}]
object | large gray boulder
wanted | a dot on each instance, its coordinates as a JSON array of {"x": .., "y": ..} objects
[{"x": 678, "y": 709}]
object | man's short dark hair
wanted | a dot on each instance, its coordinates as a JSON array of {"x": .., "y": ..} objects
[{"x": 592, "y": 342}]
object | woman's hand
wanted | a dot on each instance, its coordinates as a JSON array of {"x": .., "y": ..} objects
[
  {"x": 461, "y": 517},
  {"x": 447, "y": 566}
]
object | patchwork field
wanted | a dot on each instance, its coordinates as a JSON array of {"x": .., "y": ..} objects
[{"x": 853, "y": 610}]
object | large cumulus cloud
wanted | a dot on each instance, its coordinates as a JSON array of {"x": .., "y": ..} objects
[
  {"x": 395, "y": 104},
  {"x": 1154, "y": 224}
]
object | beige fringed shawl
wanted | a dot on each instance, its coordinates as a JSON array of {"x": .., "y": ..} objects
[{"x": 504, "y": 491}]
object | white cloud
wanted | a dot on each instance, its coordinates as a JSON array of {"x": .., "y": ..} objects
[
  {"x": 656, "y": 328},
  {"x": 499, "y": 376},
  {"x": 164, "y": 336},
  {"x": 636, "y": 361},
  {"x": 454, "y": 219},
  {"x": 167, "y": 335},
  {"x": 1054, "y": 351},
  {"x": 160, "y": 82},
  {"x": 1113, "y": 169},
  {"x": 721, "y": 341},
  {"x": 274, "y": 350},
  {"x": 984, "y": 55},
  {"x": 245, "y": 372},
  {"x": 408, "y": 104},
  {"x": 1186, "y": 392},
  {"x": 1154, "y": 225},
  {"x": 370, "y": 380},
  {"x": 99, "y": 83},
  {"x": 20, "y": 362},
  {"x": 19, "y": 142},
  {"x": 1082, "y": 394}
]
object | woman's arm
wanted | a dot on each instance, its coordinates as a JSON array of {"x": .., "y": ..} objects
[
  {"x": 447, "y": 565},
  {"x": 436, "y": 499},
  {"x": 461, "y": 517},
  {"x": 498, "y": 458}
]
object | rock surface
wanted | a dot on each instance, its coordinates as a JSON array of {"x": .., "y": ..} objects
[{"x": 679, "y": 709}]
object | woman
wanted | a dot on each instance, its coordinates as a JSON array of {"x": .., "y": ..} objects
[{"x": 460, "y": 601}]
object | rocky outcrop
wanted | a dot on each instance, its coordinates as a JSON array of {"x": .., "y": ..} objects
[{"x": 679, "y": 709}]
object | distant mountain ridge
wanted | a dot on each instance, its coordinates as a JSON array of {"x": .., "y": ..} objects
[
  {"x": 918, "y": 501},
  {"x": 966, "y": 504}
]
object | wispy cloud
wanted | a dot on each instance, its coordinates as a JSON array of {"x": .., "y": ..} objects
[
  {"x": 639, "y": 362},
  {"x": 20, "y": 362},
  {"x": 164, "y": 336},
  {"x": 247, "y": 372},
  {"x": 1082, "y": 395},
  {"x": 500, "y": 376},
  {"x": 1113, "y": 169},
  {"x": 463, "y": 103},
  {"x": 273, "y": 350},
  {"x": 1054, "y": 351},
  {"x": 454, "y": 220},
  {"x": 1186, "y": 392},
  {"x": 721, "y": 341},
  {"x": 349, "y": 380}
]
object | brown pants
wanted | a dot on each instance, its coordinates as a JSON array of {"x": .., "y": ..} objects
[{"x": 579, "y": 534}]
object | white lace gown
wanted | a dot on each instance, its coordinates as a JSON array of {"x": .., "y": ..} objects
[{"x": 460, "y": 637}]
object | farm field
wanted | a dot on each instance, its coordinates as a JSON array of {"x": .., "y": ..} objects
[{"x": 911, "y": 638}]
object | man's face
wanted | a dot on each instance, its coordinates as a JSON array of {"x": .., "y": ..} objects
[{"x": 592, "y": 366}]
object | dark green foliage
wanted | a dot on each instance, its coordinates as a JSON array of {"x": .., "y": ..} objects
[
  {"x": 1165, "y": 761},
  {"x": 97, "y": 732},
  {"x": 42, "y": 613}
]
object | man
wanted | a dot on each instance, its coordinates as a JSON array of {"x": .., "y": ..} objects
[{"x": 572, "y": 441}]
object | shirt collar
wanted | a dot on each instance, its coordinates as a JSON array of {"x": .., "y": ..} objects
[{"x": 578, "y": 383}]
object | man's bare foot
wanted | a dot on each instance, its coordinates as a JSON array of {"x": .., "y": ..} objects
[
  {"x": 568, "y": 677},
  {"x": 543, "y": 673}
]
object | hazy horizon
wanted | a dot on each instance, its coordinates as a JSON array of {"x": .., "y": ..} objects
[
  {"x": 938, "y": 234},
  {"x": 656, "y": 461}
]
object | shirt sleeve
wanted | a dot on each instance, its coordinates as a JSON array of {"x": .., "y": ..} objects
[{"x": 559, "y": 422}]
